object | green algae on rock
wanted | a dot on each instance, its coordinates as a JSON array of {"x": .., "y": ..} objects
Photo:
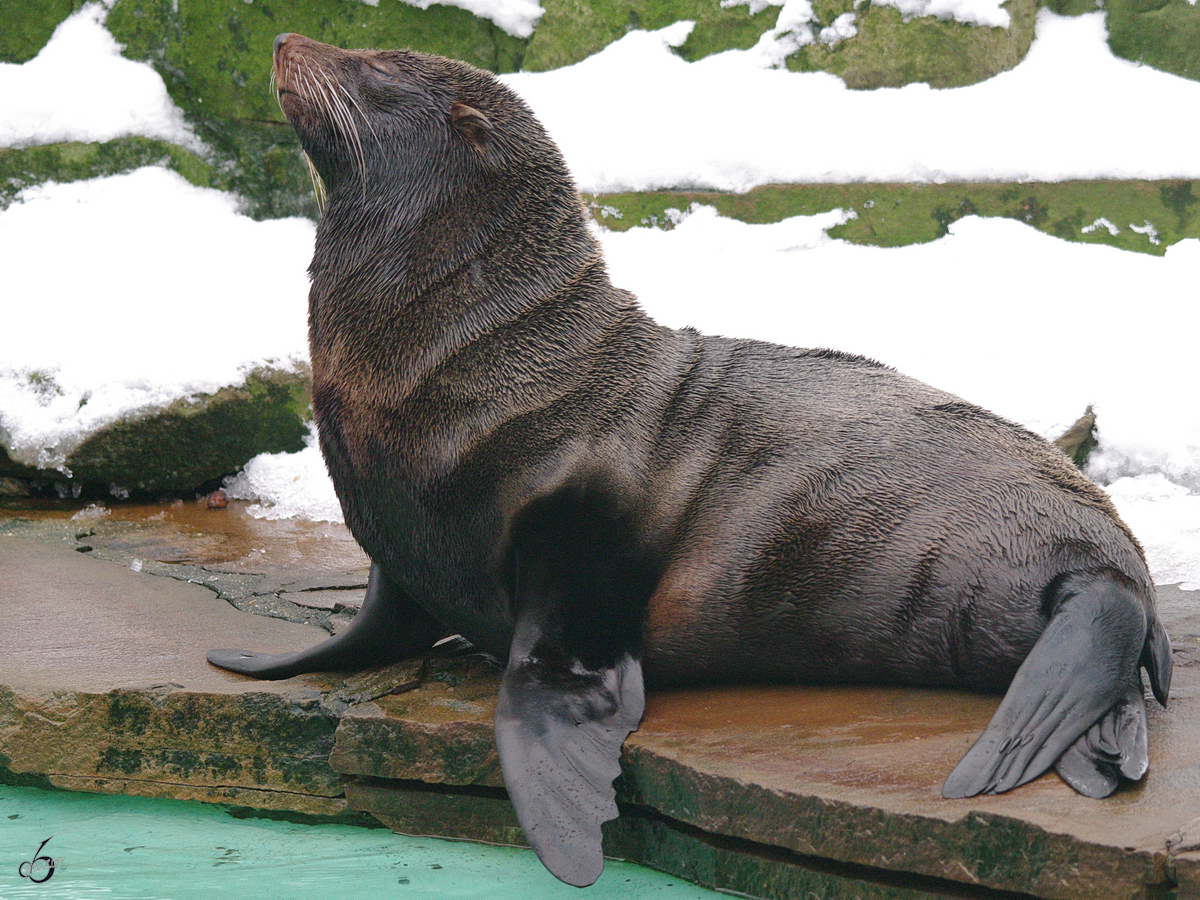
[
  {"x": 28, "y": 25},
  {"x": 895, "y": 215},
  {"x": 891, "y": 51},
  {"x": 197, "y": 440},
  {"x": 887, "y": 50},
  {"x": 1164, "y": 34},
  {"x": 573, "y": 30},
  {"x": 193, "y": 442},
  {"x": 76, "y": 161}
]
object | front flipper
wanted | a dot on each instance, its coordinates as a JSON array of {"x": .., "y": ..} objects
[
  {"x": 559, "y": 729},
  {"x": 389, "y": 627},
  {"x": 1079, "y": 677}
]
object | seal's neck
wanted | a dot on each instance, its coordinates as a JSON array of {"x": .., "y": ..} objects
[{"x": 444, "y": 268}]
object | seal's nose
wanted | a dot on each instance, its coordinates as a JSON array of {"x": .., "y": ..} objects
[{"x": 279, "y": 39}]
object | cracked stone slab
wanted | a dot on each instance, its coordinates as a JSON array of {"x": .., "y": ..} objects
[
  {"x": 104, "y": 686},
  {"x": 850, "y": 775},
  {"x": 770, "y": 791}
]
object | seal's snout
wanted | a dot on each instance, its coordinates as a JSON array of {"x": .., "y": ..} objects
[{"x": 279, "y": 41}]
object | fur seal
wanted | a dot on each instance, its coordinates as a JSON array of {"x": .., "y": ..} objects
[{"x": 531, "y": 462}]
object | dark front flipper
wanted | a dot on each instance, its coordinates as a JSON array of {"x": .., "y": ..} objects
[
  {"x": 389, "y": 627},
  {"x": 573, "y": 691},
  {"x": 559, "y": 729},
  {"x": 1113, "y": 747},
  {"x": 1079, "y": 673}
]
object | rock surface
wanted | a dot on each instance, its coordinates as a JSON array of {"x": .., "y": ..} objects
[
  {"x": 767, "y": 791},
  {"x": 105, "y": 688},
  {"x": 192, "y": 442},
  {"x": 214, "y": 56}
]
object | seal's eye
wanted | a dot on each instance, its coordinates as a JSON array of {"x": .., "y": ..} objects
[{"x": 378, "y": 70}]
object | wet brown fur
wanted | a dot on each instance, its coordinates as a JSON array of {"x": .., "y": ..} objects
[{"x": 730, "y": 509}]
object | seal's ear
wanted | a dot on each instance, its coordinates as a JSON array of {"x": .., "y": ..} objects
[{"x": 471, "y": 124}]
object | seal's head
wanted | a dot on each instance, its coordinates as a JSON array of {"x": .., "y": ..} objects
[
  {"x": 382, "y": 117},
  {"x": 429, "y": 164}
]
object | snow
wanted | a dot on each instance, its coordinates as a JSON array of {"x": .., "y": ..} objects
[
  {"x": 517, "y": 17},
  {"x": 637, "y": 117},
  {"x": 127, "y": 292},
  {"x": 80, "y": 88},
  {"x": 794, "y": 24},
  {"x": 971, "y": 12},
  {"x": 291, "y": 485}
]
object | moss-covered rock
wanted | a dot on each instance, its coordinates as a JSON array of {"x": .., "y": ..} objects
[
  {"x": 28, "y": 25},
  {"x": 895, "y": 215},
  {"x": 215, "y": 55},
  {"x": 888, "y": 51},
  {"x": 263, "y": 163},
  {"x": 22, "y": 167},
  {"x": 572, "y": 30},
  {"x": 194, "y": 441},
  {"x": 1072, "y": 7},
  {"x": 1164, "y": 34}
]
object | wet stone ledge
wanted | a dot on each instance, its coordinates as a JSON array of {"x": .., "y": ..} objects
[{"x": 770, "y": 792}]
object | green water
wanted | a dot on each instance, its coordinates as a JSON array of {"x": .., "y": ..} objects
[{"x": 134, "y": 848}]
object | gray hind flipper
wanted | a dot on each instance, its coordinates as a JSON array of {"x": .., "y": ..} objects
[
  {"x": 1157, "y": 660},
  {"x": 1078, "y": 670},
  {"x": 389, "y": 627},
  {"x": 559, "y": 730},
  {"x": 1112, "y": 748}
]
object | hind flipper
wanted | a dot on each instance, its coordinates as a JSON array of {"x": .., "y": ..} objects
[
  {"x": 1157, "y": 660},
  {"x": 1113, "y": 747},
  {"x": 389, "y": 627},
  {"x": 1078, "y": 670}
]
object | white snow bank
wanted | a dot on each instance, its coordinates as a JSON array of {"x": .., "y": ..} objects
[
  {"x": 971, "y": 12},
  {"x": 1021, "y": 323},
  {"x": 292, "y": 485},
  {"x": 517, "y": 17},
  {"x": 80, "y": 88},
  {"x": 129, "y": 292},
  {"x": 1030, "y": 326},
  {"x": 637, "y": 117},
  {"x": 1165, "y": 517}
]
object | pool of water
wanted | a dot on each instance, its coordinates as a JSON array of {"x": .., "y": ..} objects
[{"x": 135, "y": 848}]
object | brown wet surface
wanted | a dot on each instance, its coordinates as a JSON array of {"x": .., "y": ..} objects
[
  {"x": 77, "y": 623},
  {"x": 187, "y": 531}
]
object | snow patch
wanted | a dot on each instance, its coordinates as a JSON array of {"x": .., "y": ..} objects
[
  {"x": 517, "y": 17},
  {"x": 80, "y": 88}
]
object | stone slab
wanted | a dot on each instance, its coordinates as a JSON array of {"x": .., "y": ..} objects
[
  {"x": 851, "y": 775},
  {"x": 104, "y": 686},
  {"x": 772, "y": 792}
]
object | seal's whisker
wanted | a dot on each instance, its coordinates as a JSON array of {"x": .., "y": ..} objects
[
  {"x": 318, "y": 182},
  {"x": 275, "y": 91},
  {"x": 353, "y": 100},
  {"x": 348, "y": 127},
  {"x": 315, "y": 91}
]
